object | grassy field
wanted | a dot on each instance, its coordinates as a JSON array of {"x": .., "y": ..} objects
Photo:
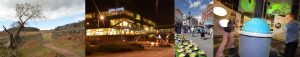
[
  {"x": 73, "y": 43},
  {"x": 33, "y": 45},
  {"x": 3, "y": 52},
  {"x": 33, "y": 49}
]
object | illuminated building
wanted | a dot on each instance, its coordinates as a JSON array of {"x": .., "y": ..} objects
[
  {"x": 120, "y": 22},
  {"x": 118, "y": 25}
]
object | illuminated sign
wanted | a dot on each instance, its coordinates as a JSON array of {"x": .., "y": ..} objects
[
  {"x": 278, "y": 8},
  {"x": 116, "y": 9},
  {"x": 247, "y": 5}
]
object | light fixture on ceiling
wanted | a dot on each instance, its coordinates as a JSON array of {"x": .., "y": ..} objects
[{"x": 219, "y": 11}]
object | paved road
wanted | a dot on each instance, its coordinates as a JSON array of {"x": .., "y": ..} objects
[
  {"x": 206, "y": 44},
  {"x": 154, "y": 52}
]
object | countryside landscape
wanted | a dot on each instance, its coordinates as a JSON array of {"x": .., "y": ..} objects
[
  {"x": 63, "y": 41},
  {"x": 42, "y": 28}
]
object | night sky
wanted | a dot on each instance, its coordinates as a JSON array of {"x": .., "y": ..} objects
[{"x": 146, "y": 8}]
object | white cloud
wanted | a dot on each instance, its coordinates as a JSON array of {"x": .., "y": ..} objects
[
  {"x": 80, "y": 18},
  {"x": 211, "y": 2},
  {"x": 53, "y": 9},
  {"x": 198, "y": 17},
  {"x": 194, "y": 4},
  {"x": 203, "y": 7}
]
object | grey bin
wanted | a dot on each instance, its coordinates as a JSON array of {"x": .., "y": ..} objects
[{"x": 255, "y": 39}]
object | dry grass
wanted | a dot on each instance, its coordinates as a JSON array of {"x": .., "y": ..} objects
[
  {"x": 34, "y": 46},
  {"x": 72, "y": 44},
  {"x": 34, "y": 49}
]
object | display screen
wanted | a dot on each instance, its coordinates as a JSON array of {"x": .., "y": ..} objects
[
  {"x": 247, "y": 5},
  {"x": 278, "y": 8}
]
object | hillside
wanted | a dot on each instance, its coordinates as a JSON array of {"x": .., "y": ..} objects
[
  {"x": 24, "y": 29},
  {"x": 71, "y": 30},
  {"x": 76, "y": 25}
]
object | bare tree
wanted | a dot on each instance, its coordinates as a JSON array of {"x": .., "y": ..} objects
[{"x": 24, "y": 12}]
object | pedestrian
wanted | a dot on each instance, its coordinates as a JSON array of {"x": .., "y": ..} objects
[
  {"x": 192, "y": 30},
  {"x": 185, "y": 29},
  {"x": 228, "y": 29},
  {"x": 189, "y": 29},
  {"x": 202, "y": 32},
  {"x": 292, "y": 34},
  {"x": 199, "y": 29},
  {"x": 177, "y": 28},
  {"x": 211, "y": 32}
]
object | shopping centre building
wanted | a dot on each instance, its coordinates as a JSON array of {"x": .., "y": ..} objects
[{"x": 120, "y": 25}]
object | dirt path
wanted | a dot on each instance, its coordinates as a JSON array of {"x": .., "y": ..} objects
[{"x": 61, "y": 51}]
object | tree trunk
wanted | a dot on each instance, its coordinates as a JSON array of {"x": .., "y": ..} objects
[
  {"x": 14, "y": 45},
  {"x": 11, "y": 43},
  {"x": 14, "y": 40}
]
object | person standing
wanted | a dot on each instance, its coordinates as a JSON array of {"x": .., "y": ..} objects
[
  {"x": 192, "y": 31},
  {"x": 202, "y": 32},
  {"x": 211, "y": 32},
  {"x": 227, "y": 33},
  {"x": 292, "y": 34},
  {"x": 177, "y": 28}
]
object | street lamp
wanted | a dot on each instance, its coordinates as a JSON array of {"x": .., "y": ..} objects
[
  {"x": 146, "y": 29},
  {"x": 101, "y": 17}
]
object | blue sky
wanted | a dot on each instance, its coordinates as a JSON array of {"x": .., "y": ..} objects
[
  {"x": 194, "y": 6},
  {"x": 57, "y": 13}
]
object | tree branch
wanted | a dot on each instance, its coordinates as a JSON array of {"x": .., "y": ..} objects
[
  {"x": 7, "y": 30},
  {"x": 29, "y": 17}
]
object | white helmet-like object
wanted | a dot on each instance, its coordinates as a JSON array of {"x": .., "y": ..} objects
[{"x": 223, "y": 22}]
